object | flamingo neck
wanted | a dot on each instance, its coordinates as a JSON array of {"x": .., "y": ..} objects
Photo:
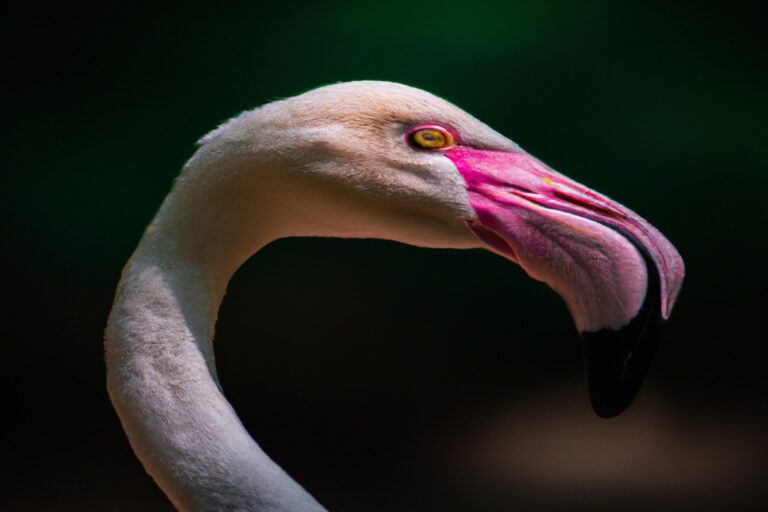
[
  {"x": 231, "y": 200},
  {"x": 161, "y": 372}
]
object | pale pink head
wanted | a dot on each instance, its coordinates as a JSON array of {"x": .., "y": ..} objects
[{"x": 390, "y": 161}]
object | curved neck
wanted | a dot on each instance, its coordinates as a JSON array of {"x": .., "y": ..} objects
[
  {"x": 231, "y": 200},
  {"x": 162, "y": 381},
  {"x": 160, "y": 364}
]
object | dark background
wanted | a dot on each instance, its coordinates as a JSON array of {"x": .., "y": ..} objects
[{"x": 386, "y": 377}]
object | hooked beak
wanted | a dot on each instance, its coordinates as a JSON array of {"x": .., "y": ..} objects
[{"x": 618, "y": 275}]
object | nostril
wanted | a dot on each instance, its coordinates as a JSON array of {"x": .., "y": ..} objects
[
  {"x": 517, "y": 188},
  {"x": 586, "y": 204}
]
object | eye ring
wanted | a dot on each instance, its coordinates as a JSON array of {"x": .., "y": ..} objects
[{"x": 430, "y": 136}]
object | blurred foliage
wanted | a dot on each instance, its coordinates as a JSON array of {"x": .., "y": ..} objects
[{"x": 660, "y": 105}]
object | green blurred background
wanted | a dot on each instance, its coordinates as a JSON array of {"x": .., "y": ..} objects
[{"x": 385, "y": 377}]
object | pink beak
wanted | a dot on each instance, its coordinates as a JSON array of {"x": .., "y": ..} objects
[{"x": 618, "y": 275}]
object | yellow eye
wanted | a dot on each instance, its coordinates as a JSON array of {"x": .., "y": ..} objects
[{"x": 432, "y": 138}]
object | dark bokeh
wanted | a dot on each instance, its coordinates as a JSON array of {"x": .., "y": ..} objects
[{"x": 385, "y": 377}]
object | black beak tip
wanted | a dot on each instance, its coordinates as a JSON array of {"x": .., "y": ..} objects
[
  {"x": 617, "y": 361},
  {"x": 609, "y": 410}
]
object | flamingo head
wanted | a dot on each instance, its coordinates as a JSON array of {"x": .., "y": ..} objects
[{"x": 378, "y": 159}]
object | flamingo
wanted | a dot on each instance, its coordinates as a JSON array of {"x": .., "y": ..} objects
[{"x": 360, "y": 159}]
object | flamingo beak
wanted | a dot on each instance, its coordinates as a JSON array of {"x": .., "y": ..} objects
[{"x": 618, "y": 275}]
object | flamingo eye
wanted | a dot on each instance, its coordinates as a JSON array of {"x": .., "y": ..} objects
[{"x": 431, "y": 137}]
